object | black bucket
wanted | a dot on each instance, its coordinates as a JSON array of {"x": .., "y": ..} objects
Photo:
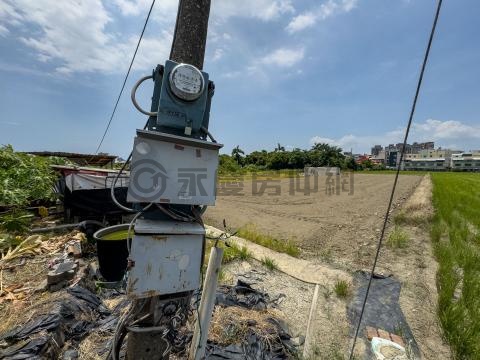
[{"x": 112, "y": 251}]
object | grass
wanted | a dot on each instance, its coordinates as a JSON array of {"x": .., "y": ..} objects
[
  {"x": 398, "y": 238},
  {"x": 412, "y": 218},
  {"x": 251, "y": 232},
  {"x": 269, "y": 263},
  {"x": 342, "y": 288},
  {"x": 393, "y": 172},
  {"x": 260, "y": 174},
  {"x": 231, "y": 252},
  {"x": 455, "y": 235}
]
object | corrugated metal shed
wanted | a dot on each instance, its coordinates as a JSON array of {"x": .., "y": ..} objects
[{"x": 80, "y": 159}]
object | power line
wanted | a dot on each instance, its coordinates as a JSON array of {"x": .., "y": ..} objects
[
  {"x": 126, "y": 78},
  {"x": 410, "y": 120}
]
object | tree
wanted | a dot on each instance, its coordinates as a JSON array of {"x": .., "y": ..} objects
[
  {"x": 237, "y": 154},
  {"x": 327, "y": 155}
]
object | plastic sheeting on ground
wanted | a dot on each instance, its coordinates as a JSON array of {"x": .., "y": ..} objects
[
  {"x": 243, "y": 295},
  {"x": 382, "y": 310},
  {"x": 71, "y": 317}
]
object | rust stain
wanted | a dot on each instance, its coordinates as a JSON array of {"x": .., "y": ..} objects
[
  {"x": 148, "y": 269},
  {"x": 160, "y": 237},
  {"x": 131, "y": 285},
  {"x": 160, "y": 272},
  {"x": 179, "y": 147}
]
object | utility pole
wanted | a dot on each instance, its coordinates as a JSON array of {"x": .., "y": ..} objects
[
  {"x": 172, "y": 180},
  {"x": 190, "y": 35}
]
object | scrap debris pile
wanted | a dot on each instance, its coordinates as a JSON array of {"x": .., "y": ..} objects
[{"x": 55, "y": 307}]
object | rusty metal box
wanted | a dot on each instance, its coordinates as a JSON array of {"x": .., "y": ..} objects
[{"x": 166, "y": 256}]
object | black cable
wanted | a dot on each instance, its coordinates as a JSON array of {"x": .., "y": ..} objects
[
  {"x": 412, "y": 112},
  {"x": 126, "y": 78}
]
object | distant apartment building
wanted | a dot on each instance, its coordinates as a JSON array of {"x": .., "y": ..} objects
[
  {"x": 376, "y": 150},
  {"x": 414, "y": 148},
  {"x": 423, "y": 156},
  {"x": 468, "y": 161},
  {"x": 378, "y": 158},
  {"x": 432, "y": 154}
]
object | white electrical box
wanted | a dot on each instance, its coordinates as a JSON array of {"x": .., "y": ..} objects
[
  {"x": 173, "y": 169},
  {"x": 166, "y": 258}
]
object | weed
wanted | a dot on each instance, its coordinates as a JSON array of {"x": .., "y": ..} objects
[
  {"x": 413, "y": 218},
  {"x": 269, "y": 263},
  {"x": 342, "y": 288},
  {"x": 244, "y": 253},
  {"x": 233, "y": 252},
  {"x": 250, "y": 232},
  {"x": 16, "y": 221},
  {"x": 398, "y": 238}
]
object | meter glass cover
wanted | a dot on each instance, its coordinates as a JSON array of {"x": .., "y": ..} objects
[{"x": 186, "y": 82}]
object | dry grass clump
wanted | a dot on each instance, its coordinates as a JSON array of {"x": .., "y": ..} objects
[
  {"x": 230, "y": 325},
  {"x": 92, "y": 345}
]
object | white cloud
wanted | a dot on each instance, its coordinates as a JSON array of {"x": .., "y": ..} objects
[
  {"x": 220, "y": 9},
  {"x": 164, "y": 11},
  {"x": 449, "y": 133},
  {"x": 284, "y": 57},
  {"x": 265, "y": 10},
  {"x": 301, "y": 22},
  {"x": 450, "y": 129},
  {"x": 3, "y": 31},
  {"x": 77, "y": 36},
  {"x": 324, "y": 11},
  {"x": 73, "y": 36},
  {"x": 218, "y": 54}
]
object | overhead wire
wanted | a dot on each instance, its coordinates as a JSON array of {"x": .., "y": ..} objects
[
  {"x": 407, "y": 132},
  {"x": 126, "y": 78}
]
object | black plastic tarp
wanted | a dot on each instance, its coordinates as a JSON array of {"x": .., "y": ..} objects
[{"x": 382, "y": 310}]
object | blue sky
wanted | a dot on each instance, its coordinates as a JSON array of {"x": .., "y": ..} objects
[{"x": 289, "y": 72}]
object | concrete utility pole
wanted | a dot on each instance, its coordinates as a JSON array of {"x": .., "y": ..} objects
[
  {"x": 156, "y": 231},
  {"x": 190, "y": 34}
]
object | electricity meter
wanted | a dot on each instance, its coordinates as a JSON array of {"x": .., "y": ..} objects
[{"x": 186, "y": 82}]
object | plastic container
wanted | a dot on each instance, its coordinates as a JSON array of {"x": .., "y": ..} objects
[{"x": 112, "y": 251}]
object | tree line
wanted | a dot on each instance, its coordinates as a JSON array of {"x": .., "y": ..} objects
[{"x": 320, "y": 154}]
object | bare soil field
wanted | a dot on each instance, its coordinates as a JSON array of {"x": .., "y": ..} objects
[{"x": 341, "y": 229}]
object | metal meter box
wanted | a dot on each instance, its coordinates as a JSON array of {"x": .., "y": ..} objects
[
  {"x": 166, "y": 256},
  {"x": 185, "y": 97},
  {"x": 173, "y": 169}
]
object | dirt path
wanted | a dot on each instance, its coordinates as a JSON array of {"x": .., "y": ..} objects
[{"x": 416, "y": 268}]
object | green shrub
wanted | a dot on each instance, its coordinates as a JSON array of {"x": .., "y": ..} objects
[{"x": 24, "y": 178}]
